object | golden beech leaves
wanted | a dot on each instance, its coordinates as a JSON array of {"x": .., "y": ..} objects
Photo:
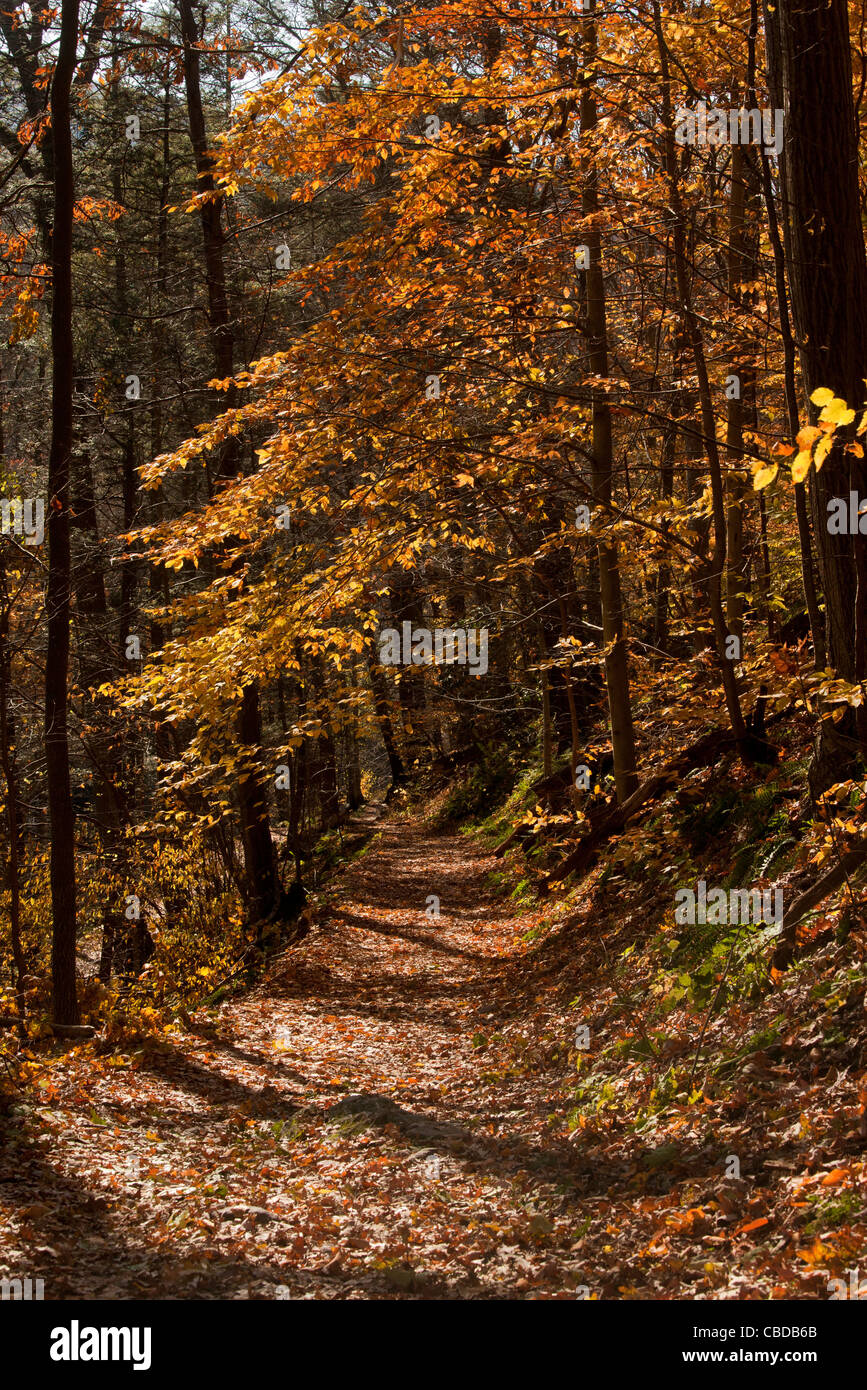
[
  {"x": 430, "y": 391},
  {"x": 765, "y": 476},
  {"x": 815, "y": 442},
  {"x": 836, "y": 412},
  {"x": 823, "y": 448}
]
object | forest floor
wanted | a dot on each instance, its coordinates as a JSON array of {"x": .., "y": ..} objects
[{"x": 386, "y": 1114}]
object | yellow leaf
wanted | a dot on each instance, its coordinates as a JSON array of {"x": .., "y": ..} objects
[
  {"x": 837, "y": 413},
  {"x": 801, "y": 466},
  {"x": 765, "y": 476},
  {"x": 822, "y": 396},
  {"x": 465, "y": 480},
  {"x": 823, "y": 448}
]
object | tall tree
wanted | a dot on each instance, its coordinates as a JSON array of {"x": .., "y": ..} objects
[
  {"x": 827, "y": 265},
  {"x": 616, "y": 656},
  {"x": 64, "y": 995},
  {"x": 261, "y": 865}
]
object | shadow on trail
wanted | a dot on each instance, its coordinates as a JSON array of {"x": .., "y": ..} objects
[
  {"x": 82, "y": 1246},
  {"x": 174, "y": 1065},
  {"x": 414, "y": 935}
]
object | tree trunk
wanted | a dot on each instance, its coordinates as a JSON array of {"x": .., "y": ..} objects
[
  {"x": 13, "y": 798},
  {"x": 808, "y": 578},
  {"x": 261, "y": 864},
  {"x": 261, "y": 867},
  {"x": 354, "y": 794},
  {"x": 64, "y": 997},
  {"x": 381, "y": 705},
  {"x": 741, "y": 386},
  {"x": 613, "y": 628},
  {"x": 211, "y": 212},
  {"x": 828, "y": 278},
  {"x": 716, "y": 565},
  {"x": 405, "y": 606}
]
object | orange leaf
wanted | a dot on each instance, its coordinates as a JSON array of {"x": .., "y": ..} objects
[
  {"x": 836, "y": 1175},
  {"x": 752, "y": 1225},
  {"x": 808, "y": 436},
  {"x": 818, "y": 1254}
]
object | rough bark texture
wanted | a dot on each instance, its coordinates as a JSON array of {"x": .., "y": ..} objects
[
  {"x": 616, "y": 656},
  {"x": 261, "y": 866},
  {"x": 827, "y": 262},
  {"x": 64, "y": 998},
  {"x": 715, "y": 568},
  {"x": 809, "y": 42}
]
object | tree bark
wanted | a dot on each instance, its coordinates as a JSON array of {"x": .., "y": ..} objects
[
  {"x": 716, "y": 564},
  {"x": 808, "y": 577},
  {"x": 13, "y": 798},
  {"x": 827, "y": 264},
  {"x": 382, "y": 708},
  {"x": 613, "y": 627},
  {"x": 828, "y": 279},
  {"x": 63, "y": 904},
  {"x": 261, "y": 865},
  {"x": 742, "y": 249}
]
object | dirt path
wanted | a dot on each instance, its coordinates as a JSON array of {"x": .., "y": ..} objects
[{"x": 214, "y": 1164}]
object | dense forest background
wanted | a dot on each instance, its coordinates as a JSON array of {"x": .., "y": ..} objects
[{"x": 332, "y": 328}]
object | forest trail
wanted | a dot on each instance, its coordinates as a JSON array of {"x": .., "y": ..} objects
[{"x": 210, "y": 1164}]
